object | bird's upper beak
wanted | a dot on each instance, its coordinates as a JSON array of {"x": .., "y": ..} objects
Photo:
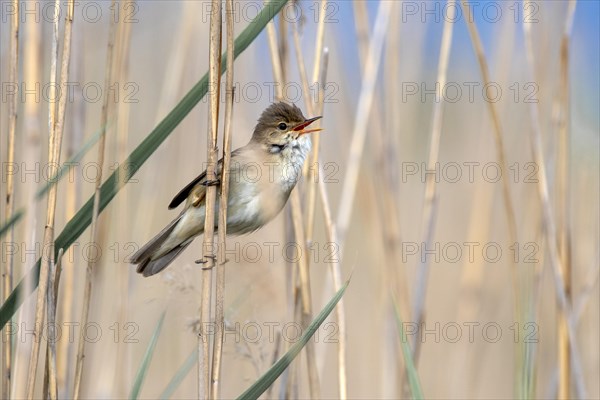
[{"x": 300, "y": 128}]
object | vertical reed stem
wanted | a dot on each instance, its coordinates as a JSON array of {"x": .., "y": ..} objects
[
  {"x": 55, "y": 123},
  {"x": 9, "y": 206},
  {"x": 550, "y": 231},
  {"x": 208, "y": 252},
  {"x": 563, "y": 204},
  {"x": 362, "y": 117},
  {"x": 298, "y": 226},
  {"x": 224, "y": 195},
  {"x": 430, "y": 205},
  {"x": 87, "y": 294}
]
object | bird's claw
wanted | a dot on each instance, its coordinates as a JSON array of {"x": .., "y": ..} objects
[
  {"x": 211, "y": 182},
  {"x": 205, "y": 261}
]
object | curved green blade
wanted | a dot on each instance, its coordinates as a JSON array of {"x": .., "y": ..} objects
[
  {"x": 141, "y": 374},
  {"x": 263, "y": 383},
  {"x": 180, "y": 375},
  {"x": 411, "y": 371}
]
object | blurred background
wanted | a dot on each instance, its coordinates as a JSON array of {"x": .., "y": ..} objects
[{"x": 491, "y": 323}]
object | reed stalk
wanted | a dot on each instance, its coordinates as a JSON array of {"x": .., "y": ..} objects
[
  {"x": 32, "y": 142},
  {"x": 121, "y": 114},
  {"x": 317, "y": 171},
  {"x": 9, "y": 205},
  {"x": 91, "y": 264},
  {"x": 56, "y": 117},
  {"x": 299, "y": 234},
  {"x": 430, "y": 206},
  {"x": 208, "y": 252},
  {"x": 550, "y": 231},
  {"x": 564, "y": 204},
  {"x": 498, "y": 136},
  {"x": 311, "y": 184},
  {"x": 50, "y": 375},
  {"x": 359, "y": 133},
  {"x": 66, "y": 308},
  {"x": 224, "y": 195},
  {"x": 385, "y": 159}
]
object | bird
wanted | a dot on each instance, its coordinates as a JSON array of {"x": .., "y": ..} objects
[{"x": 262, "y": 176}]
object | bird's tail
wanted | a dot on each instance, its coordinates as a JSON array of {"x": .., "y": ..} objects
[{"x": 152, "y": 258}]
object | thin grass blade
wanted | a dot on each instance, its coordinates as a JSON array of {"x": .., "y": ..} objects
[
  {"x": 141, "y": 374},
  {"x": 263, "y": 383},
  {"x": 186, "y": 367},
  {"x": 413, "y": 377}
]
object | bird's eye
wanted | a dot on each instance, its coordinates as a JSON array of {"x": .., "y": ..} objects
[{"x": 282, "y": 126}]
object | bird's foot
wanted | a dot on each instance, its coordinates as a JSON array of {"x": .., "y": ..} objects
[
  {"x": 205, "y": 261},
  {"x": 211, "y": 182}
]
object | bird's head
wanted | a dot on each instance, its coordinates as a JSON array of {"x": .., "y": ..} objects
[{"x": 280, "y": 125}]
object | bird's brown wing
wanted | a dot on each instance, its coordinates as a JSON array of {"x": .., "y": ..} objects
[
  {"x": 185, "y": 192},
  {"x": 201, "y": 190}
]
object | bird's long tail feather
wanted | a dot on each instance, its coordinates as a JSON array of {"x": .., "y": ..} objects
[{"x": 149, "y": 261}]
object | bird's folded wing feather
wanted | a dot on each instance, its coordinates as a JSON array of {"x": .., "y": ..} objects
[
  {"x": 185, "y": 192},
  {"x": 197, "y": 187}
]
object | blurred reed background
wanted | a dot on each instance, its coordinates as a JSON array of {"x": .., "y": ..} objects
[{"x": 491, "y": 323}]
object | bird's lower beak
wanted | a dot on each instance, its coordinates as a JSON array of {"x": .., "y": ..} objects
[{"x": 300, "y": 128}]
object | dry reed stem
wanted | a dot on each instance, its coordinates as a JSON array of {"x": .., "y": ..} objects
[
  {"x": 32, "y": 142},
  {"x": 298, "y": 226},
  {"x": 283, "y": 44},
  {"x": 275, "y": 59},
  {"x": 498, "y": 134},
  {"x": 316, "y": 137},
  {"x": 56, "y": 124},
  {"x": 430, "y": 205},
  {"x": 319, "y": 43},
  {"x": 50, "y": 375},
  {"x": 330, "y": 227},
  {"x": 64, "y": 351},
  {"x": 385, "y": 159},
  {"x": 304, "y": 274},
  {"x": 9, "y": 206},
  {"x": 208, "y": 252},
  {"x": 337, "y": 283},
  {"x": 500, "y": 156},
  {"x": 288, "y": 387},
  {"x": 470, "y": 288},
  {"x": 563, "y": 202},
  {"x": 550, "y": 231},
  {"x": 91, "y": 264},
  {"x": 362, "y": 117},
  {"x": 586, "y": 292},
  {"x": 224, "y": 195},
  {"x": 123, "y": 366}
]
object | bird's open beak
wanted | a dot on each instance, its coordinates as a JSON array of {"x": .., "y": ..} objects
[{"x": 300, "y": 128}]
